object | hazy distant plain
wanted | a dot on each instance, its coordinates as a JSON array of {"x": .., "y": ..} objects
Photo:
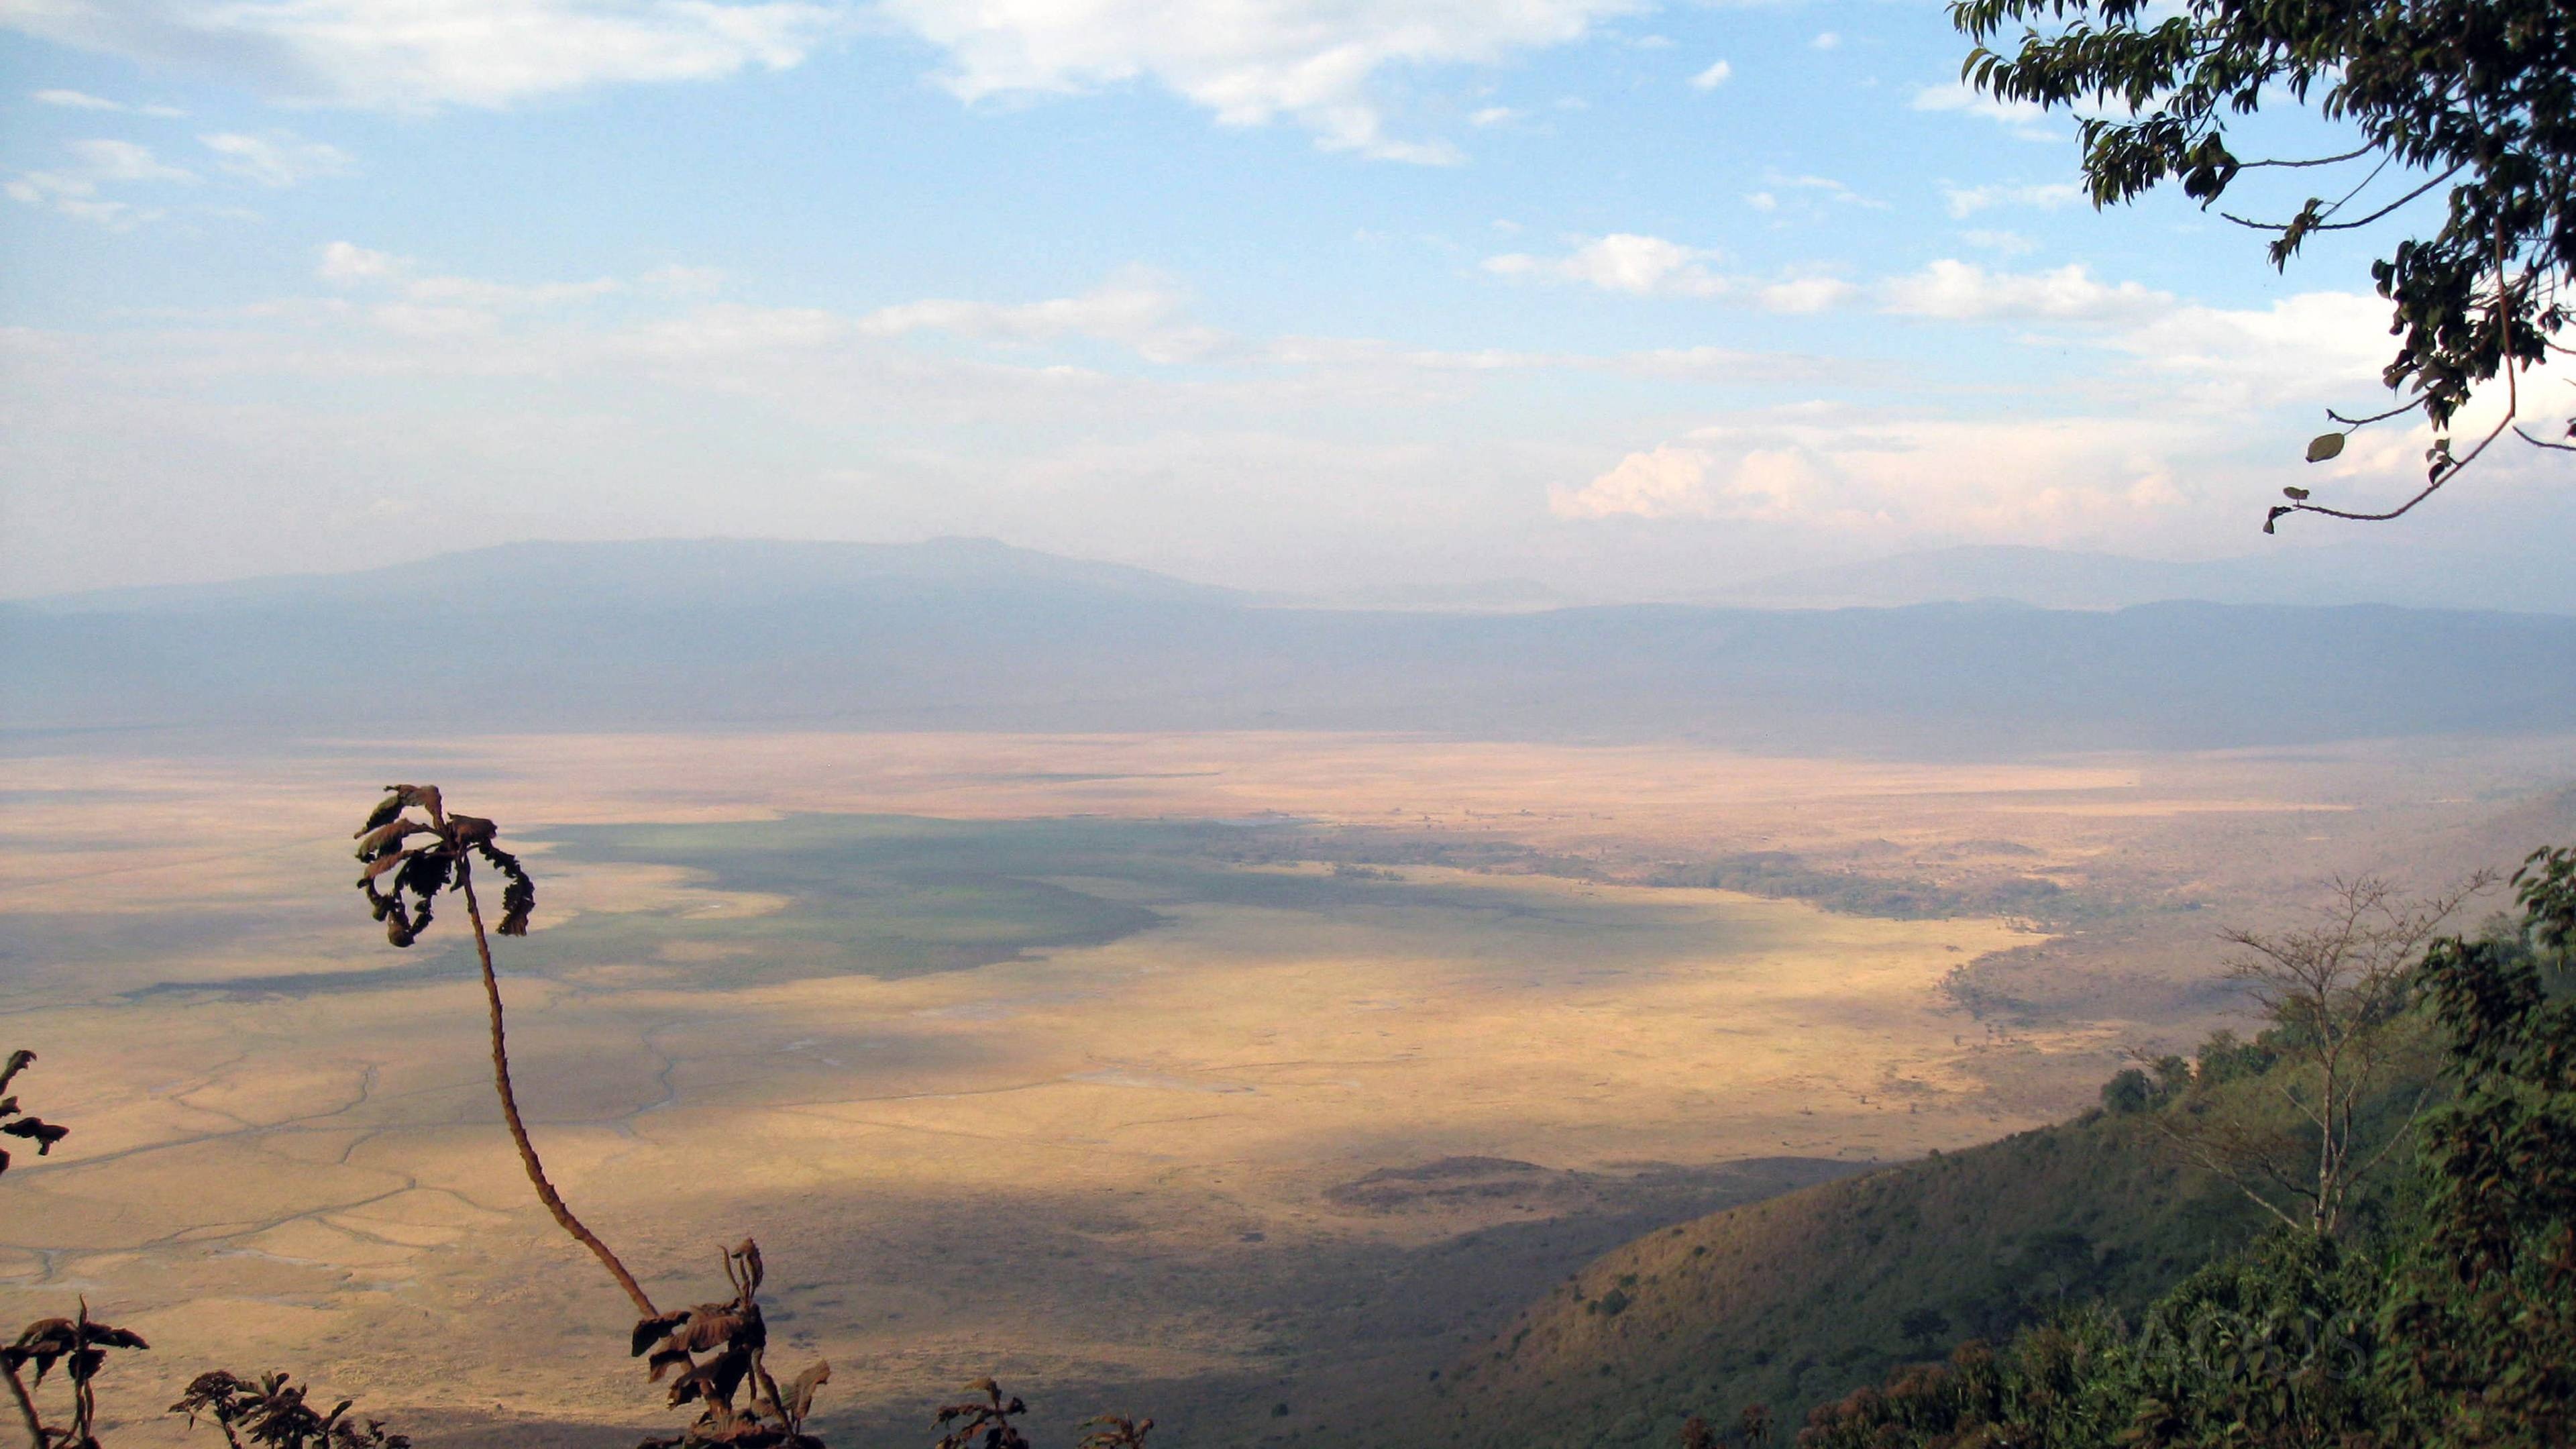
[{"x": 1081, "y": 1099}]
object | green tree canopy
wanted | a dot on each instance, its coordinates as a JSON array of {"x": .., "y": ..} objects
[{"x": 2477, "y": 96}]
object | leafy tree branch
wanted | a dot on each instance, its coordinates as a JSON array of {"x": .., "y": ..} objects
[{"x": 2475, "y": 99}]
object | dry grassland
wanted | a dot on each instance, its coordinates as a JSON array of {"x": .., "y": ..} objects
[{"x": 1121, "y": 1168}]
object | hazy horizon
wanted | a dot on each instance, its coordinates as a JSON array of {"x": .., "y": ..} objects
[{"x": 2364, "y": 571}]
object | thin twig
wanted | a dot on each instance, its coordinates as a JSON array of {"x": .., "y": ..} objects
[
  {"x": 2353, "y": 155},
  {"x": 2408, "y": 407},
  {"x": 2350, "y": 225},
  {"x": 2455, "y": 466}
]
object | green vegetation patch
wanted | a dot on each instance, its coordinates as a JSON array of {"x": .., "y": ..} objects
[
  {"x": 1781, "y": 875},
  {"x": 898, "y": 896}
]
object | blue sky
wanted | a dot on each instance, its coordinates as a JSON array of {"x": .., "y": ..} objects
[{"x": 1627, "y": 298}]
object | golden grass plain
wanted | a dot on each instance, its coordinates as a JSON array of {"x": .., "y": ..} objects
[{"x": 1099, "y": 1170}]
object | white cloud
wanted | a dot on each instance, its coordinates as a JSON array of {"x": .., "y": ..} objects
[
  {"x": 1726, "y": 364},
  {"x": 124, "y": 161},
  {"x": 684, "y": 280},
  {"x": 407, "y": 319},
  {"x": 277, "y": 159},
  {"x": 1965, "y": 201},
  {"x": 1492, "y": 116},
  {"x": 73, "y": 190},
  {"x": 1824, "y": 186},
  {"x": 1249, "y": 62},
  {"x": 1827, "y": 40},
  {"x": 83, "y": 101},
  {"x": 53, "y": 193},
  {"x": 441, "y": 306},
  {"x": 1641, "y": 266},
  {"x": 2047, "y": 479},
  {"x": 1806, "y": 193},
  {"x": 477, "y": 293},
  {"x": 2009, "y": 243},
  {"x": 1662, "y": 483},
  {"x": 2317, "y": 345},
  {"x": 428, "y": 53},
  {"x": 1651, "y": 266},
  {"x": 1134, "y": 309},
  {"x": 344, "y": 263},
  {"x": 2025, "y": 119},
  {"x": 1713, "y": 77},
  {"x": 643, "y": 398},
  {"x": 1807, "y": 294},
  {"x": 723, "y": 333},
  {"x": 1965, "y": 292}
]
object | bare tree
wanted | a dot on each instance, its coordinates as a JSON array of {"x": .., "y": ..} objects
[{"x": 2336, "y": 993}]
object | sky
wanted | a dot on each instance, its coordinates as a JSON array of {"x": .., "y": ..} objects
[{"x": 1631, "y": 299}]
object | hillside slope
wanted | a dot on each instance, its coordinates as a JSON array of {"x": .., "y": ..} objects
[{"x": 1802, "y": 1297}]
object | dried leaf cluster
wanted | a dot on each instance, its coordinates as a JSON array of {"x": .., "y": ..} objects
[
  {"x": 81, "y": 1346},
  {"x": 78, "y": 1344},
  {"x": 983, "y": 1423},
  {"x": 273, "y": 1412},
  {"x": 1111, "y": 1431},
  {"x": 417, "y": 873},
  {"x": 719, "y": 1350},
  {"x": 15, "y": 1123}
]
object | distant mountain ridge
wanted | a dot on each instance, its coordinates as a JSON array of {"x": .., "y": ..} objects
[
  {"x": 657, "y": 573},
  {"x": 971, "y": 635},
  {"x": 2070, "y": 579}
]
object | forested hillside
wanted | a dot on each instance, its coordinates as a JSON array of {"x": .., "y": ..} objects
[
  {"x": 1800, "y": 1298},
  {"x": 2087, "y": 1287}
]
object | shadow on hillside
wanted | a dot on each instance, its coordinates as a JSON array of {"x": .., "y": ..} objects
[{"x": 1352, "y": 1327}]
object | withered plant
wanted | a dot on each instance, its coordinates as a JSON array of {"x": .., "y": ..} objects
[
  {"x": 78, "y": 1344},
  {"x": 412, "y": 842},
  {"x": 719, "y": 1351},
  {"x": 1111, "y": 1431},
  {"x": 714, "y": 1354},
  {"x": 273, "y": 1412},
  {"x": 15, "y": 1123},
  {"x": 81, "y": 1345},
  {"x": 983, "y": 1423}
]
